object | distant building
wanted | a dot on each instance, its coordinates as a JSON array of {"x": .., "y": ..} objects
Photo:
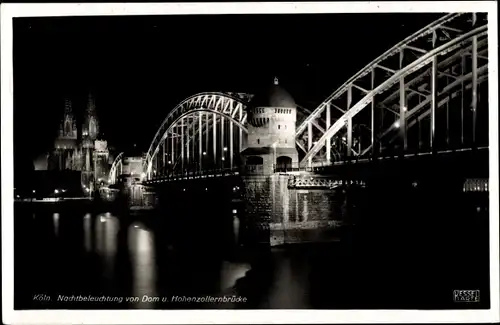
[
  {"x": 101, "y": 160},
  {"x": 80, "y": 151}
]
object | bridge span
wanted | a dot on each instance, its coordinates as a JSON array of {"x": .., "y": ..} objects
[{"x": 416, "y": 116}]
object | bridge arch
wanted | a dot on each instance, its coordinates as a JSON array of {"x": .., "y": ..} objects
[
  {"x": 419, "y": 73},
  {"x": 193, "y": 119},
  {"x": 116, "y": 169}
]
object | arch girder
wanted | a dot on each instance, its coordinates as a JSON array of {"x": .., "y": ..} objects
[
  {"x": 209, "y": 101},
  {"x": 365, "y": 97},
  {"x": 114, "y": 167},
  {"x": 418, "y": 44},
  {"x": 448, "y": 89}
]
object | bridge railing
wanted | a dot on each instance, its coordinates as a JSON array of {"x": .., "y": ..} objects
[{"x": 199, "y": 173}]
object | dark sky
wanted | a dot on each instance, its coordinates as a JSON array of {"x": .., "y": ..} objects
[{"x": 140, "y": 67}]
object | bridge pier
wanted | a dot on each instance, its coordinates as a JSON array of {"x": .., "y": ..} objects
[{"x": 279, "y": 212}]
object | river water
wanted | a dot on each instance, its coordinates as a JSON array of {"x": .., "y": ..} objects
[{"x": 400, "y": 255}]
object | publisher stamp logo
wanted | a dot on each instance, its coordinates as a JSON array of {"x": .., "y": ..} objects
[{"x": 466, "y": 295}]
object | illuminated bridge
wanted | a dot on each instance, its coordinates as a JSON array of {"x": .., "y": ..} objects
[{"x": 427, "y": 96}]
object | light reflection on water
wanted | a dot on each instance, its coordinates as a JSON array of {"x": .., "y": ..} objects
[
  {"x": 142, "y": 254},
  {"x": 87, "y": 235},
  {"x": 106, "y": 230},
  {"x": 55, "y": 218}
]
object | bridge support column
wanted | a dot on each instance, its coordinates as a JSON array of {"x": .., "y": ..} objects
[
  {"x": 188, "y": 142},
  {"x": 163, "y": 157},
  {"x": 214, "y": 142},
  {"x": 281, "y": 213},
  {"x": 349, "y": 137},
  {"x": 173, "y": 152},
  {"x": 231, "y": 135},
  {"x": 240, "y": 138},
  {"x": 349, "y": 123},
  {"x": 207, "y": 136},
  {"x": 373, "y": 118},
  {"x": 309, "y": 142},
  {"x": 474, "y": 88},
  {"x": 402, "y": 115},
  {"x": 200, "y": 142},
  {"x": 402, "y": 106},
  {"x": 328, "y": 143},
  {"x": 182, "y": 146},
  {"x": 434, "y": 103},
  {"x": 222, "y": 147}
]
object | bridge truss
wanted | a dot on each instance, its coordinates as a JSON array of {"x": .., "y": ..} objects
[
  {"x": 116, "y": 169},
  {"x": 426, "y": 94},
  {"x": 203, "y": 132},
  {"x": 421, "y": 95}
]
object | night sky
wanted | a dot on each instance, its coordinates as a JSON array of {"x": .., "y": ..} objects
[{"x": 139, "y": 68}]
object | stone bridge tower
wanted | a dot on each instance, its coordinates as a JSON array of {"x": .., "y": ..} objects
[
  {"x": 270, "y": 147},
  {"x": 271, "y": 131}
]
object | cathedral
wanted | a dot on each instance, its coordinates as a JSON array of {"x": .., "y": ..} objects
[{"x": 81, "y": 150}]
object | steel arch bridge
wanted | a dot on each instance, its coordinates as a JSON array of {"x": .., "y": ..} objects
[
  {"x": 399, "y": 97},
  {"x": 422, "y": 95},
  {"x": 116, "y": 169}
]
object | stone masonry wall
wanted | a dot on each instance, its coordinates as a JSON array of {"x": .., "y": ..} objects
[
  {"x": 258, "y": 207},
  {"x": 282, "y": 215}
]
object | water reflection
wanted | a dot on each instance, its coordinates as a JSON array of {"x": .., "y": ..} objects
[
  {"x": 142, "y": 255},
  {"x": 106, "y": 230},
  {"x": 137, "y": 255},
  {"x": 55, "y": 218},
  {"x": 87, "y": 234},
  {"x": 236, "y": 229}
]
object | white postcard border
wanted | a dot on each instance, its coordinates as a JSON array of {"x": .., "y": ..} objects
[{"x": 8, "y": 11}]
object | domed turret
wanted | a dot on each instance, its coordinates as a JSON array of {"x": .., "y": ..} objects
[
  {"x": 272, "y": 115},
  {"x": 273, "y": 96},
  {"x": 268, "y": 102}
]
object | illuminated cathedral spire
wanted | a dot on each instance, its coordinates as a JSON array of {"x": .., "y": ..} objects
[
  {"x": 67, "y": 107},
  {"x": 90, "y": 127},
  {"x": 90, "y": 104},
  {"x": 68, "y": 125}
]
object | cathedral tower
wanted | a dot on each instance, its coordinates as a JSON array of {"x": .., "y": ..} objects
[
  {"x": 90, "y": 132},
  {"x": 65, "y": 144},
  {"x": 90, "y": 128}
]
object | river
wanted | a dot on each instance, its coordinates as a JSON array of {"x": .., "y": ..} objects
[{"x": 402, "y": 254}]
